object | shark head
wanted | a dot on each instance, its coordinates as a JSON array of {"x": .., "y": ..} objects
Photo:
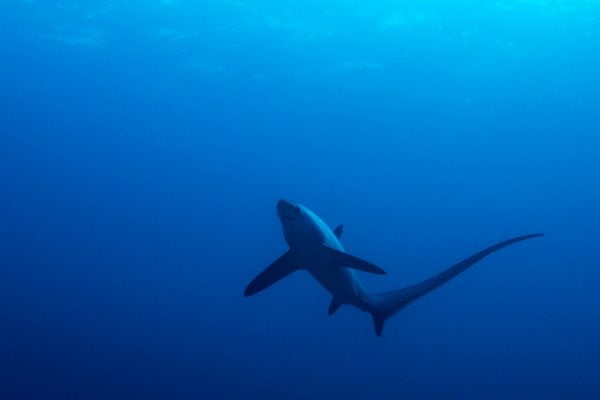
[
  {"x": 300, "y": 225},
  {"x": 288, "y": 211}
]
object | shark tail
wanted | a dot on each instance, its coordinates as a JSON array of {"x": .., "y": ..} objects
[{"x": 385, "y": 305}]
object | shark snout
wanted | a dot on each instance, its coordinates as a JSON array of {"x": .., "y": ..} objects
[{"x": 286, "y": 209}]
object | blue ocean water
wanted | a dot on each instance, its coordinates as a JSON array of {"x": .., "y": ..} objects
[{"x": 144, "y": 145}]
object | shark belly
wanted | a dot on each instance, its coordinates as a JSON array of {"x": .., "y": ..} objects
[{"x": 342, "y": 284}]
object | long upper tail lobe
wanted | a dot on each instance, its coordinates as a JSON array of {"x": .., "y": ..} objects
[{"x": 387, "y": 304}]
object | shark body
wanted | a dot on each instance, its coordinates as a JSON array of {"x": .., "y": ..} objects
[{"x": 316, "y": 248}]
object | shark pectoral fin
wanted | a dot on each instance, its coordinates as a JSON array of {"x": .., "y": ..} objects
[
  {"x": 346, "y": 260},
  {"x": 338, "y": 231},
  {"x": 280, "y": 268}
]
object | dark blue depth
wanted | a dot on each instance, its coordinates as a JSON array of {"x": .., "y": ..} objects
[{"x": 144, "y": 145}]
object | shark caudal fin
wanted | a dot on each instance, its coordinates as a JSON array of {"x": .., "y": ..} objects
[{"x": 387, "y": 304}]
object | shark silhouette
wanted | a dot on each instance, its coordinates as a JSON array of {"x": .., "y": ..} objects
[{"x": 314, "y": 247}]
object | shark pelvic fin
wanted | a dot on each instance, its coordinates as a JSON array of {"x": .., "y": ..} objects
[
  {"x": 334, "y": 305},
  {"x": 378, "y": 321}
]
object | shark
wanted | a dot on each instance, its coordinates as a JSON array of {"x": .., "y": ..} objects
[{"x": 316, "y": 248}]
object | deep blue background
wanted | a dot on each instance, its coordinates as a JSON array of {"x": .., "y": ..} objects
[{"x": 143, "y": 147}]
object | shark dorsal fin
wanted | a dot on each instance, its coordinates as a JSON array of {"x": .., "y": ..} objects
[{"x": 338, "y": 231}]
